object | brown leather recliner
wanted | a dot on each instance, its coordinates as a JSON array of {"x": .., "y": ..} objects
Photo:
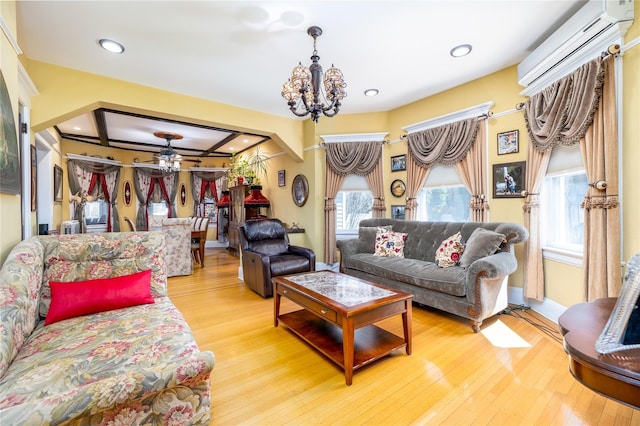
[{"x": 266, "y": 253}]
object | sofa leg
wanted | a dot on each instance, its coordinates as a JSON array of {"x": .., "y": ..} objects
[{"x": 476, "y": 326}]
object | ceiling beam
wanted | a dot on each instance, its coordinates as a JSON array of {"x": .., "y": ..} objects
[
  {"x": 220, "y": 144},
  {"x": 101, "y": 124}
]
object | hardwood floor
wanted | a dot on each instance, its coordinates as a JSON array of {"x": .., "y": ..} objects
[{"x": 265, "y": 375}]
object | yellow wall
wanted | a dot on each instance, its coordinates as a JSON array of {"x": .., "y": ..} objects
[
  {"x": 65, "y": 93},
  {"x": 10, "y": 208}
]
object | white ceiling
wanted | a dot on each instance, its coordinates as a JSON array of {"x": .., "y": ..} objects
[{"x": 241, "y": 52}]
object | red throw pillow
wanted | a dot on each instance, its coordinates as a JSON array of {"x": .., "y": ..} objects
[{"x": 72, "y": 299}]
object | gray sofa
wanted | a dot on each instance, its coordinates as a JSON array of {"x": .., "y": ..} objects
[{"x": 476, "y": 291}]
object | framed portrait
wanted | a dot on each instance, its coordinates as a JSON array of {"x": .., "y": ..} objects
[
  {"x": 398, "y": 163},
  {"x": 127, "y": 193},
  {"x": 57, "y": 183},
  {"x": 281, "y": 180},
  {"x": 622, "y": 330},
  {"x": 397, "y": 212},
  {"x": 34, "y": 178},
  {"x": 300, "y": 190},
  {"x": 508, "y": 142},
  {"x": 9, "y": 151},
  {"x": 509, "y": 179}
]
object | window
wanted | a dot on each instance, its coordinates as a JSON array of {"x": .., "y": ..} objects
[
  {"x": 561, "y": 217},
  {"x": 158, "y": 209},
  {"x": 95, "y": 212},
  {"x": 443, "y": 198},
  {"x": 353, "y": 204}
]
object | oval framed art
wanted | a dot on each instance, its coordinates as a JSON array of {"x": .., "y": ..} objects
[
  {"x": 300, "y": 190},
  {"x": 126, "y": 191},
  {"x": 183, "y": 195}
]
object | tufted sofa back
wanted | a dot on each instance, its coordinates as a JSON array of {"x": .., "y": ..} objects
[{"x": 424, "y": 238}]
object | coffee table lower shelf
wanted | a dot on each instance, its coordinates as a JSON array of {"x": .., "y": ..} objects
[{"x": 370, "y": 342}]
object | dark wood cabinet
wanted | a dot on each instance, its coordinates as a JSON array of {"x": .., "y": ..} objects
[{"x": 238, "y": 213}]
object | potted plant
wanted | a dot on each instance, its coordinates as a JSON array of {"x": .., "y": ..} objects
[{"x": 245, "y": 169}]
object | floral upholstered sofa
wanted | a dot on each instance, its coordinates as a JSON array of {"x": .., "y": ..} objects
[{"x": 128, "y": 366}]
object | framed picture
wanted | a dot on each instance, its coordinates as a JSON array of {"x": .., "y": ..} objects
[
  {"x": 398, "y": 163},
  {"x": 397, "y": 212},
  {"x": 509, "y": 179},
  {"x": 398, "y": 188},
  {"x": 508, "y": 142},
  {"x": 9, "y": 151},
  {"x": 183, "y": 195},
  {"x": 300, "y": 190},
  {"x": 34, "y": 178},
  {"x": 281, "y": 181},
  {"x": 57, "y": 183},
  {"x": 622, "y": 330},
  {"x": 127, "y": 192}
]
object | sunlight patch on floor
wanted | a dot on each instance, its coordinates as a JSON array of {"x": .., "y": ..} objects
[{"x": 501, "y": 336}]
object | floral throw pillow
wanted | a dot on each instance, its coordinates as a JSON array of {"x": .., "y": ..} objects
[
  {"x": 389, "y": 243},
  {"x": 450, "y": 251}
]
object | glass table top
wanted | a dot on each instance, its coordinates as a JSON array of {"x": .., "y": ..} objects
[{"x": 341, "y": 288}]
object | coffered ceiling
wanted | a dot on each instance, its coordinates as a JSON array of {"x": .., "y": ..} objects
[{"x": 241, "y": 52}]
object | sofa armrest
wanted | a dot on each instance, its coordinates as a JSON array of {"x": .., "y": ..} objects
[
  {"x": 308, "y": 253},
  {"x": 347, "y": 248}
]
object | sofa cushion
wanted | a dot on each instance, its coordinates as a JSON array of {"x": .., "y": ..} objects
[
  {"x": 481, "y": 243},
  {"x": 73, "y": 299},
  {"x": 411, "y": 271},
  {"x": 367, "y": 238},
  {"x": 449, "y": 252},
  {"x": 288, "y": 264},
  {"x": 89, "y": 364},
  {"x": 73, "y": 258},
  {"x": 389, "y": 243}
]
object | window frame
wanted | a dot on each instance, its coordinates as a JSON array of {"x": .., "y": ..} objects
[{"x": 571, "y": 254}]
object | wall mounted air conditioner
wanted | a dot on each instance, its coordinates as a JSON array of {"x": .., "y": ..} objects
[{"x": 594, "y": 20}]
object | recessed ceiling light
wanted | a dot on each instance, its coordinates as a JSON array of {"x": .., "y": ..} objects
[
  {"x": 462, "y": 50},
  {"x": 371, "y": 92},
  {"x": 111, "y": 45}
]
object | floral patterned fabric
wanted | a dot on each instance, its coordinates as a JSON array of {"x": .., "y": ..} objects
[
  {"x": 177, "y": 237},
  {"x": 130, "y": 366},
  {"x": 449, "y": 252},
  {"x": 389, "y": 243}
]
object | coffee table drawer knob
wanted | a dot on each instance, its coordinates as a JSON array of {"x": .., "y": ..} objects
[
  {"x": 324, "y": 311},
  {"x": 286, "y": 291}
]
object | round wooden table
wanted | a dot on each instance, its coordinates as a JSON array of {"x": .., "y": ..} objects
[{"x": 615, "y": 375}]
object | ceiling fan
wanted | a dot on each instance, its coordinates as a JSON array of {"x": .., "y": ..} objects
[{"x": 168, "y": 159}]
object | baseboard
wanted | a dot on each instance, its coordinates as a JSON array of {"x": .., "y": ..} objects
[{"x": 547, "y": 308}]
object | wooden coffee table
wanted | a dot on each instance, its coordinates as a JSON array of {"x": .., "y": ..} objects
[{"x": 338, "y": 316}]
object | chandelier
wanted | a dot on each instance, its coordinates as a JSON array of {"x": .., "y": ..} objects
[
  {"x": 303, "y": 91},
  {"x": 168, "y": 159}
]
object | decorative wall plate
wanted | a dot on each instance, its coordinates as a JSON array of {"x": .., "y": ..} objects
[
  {"x": 398, "y": 188},
  {"x": 300, "y": 190}
]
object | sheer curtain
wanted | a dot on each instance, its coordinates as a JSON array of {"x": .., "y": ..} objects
[
  {"x": 447, "y": 145},
  {"x": 579, "y": 108},
  {"x": 93, "y": 178},
  {"x": 342, "y": 159}
]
